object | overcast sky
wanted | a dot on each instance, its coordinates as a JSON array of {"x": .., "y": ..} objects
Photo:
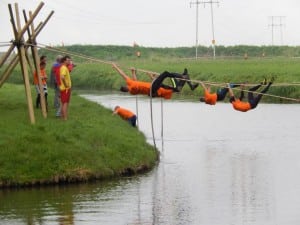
[{"x": 161, "y": 23}]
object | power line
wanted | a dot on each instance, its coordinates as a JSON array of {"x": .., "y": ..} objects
[
  {"x": 276, "y": 21},
  {"x": 197, "y": 3}
]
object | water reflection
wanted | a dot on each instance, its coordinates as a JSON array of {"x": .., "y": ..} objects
[
  {"x": 251, "y": 189},
  {"x": 217, "y": 167}
]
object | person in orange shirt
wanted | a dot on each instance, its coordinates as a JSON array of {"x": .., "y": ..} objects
[
  {"x": 44, "y": 84},
  {"x": 159, "y": 89},
  {"x": 253, "y": 101},
  {"x": 213, "y": 98},
  {"x": 126, "y": 114}
]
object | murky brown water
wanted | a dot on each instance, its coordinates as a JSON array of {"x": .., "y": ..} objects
[{"x": 218, "y": 167}]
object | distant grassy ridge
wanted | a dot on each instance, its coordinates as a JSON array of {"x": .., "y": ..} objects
[
  {"x": 92, "y": 144},
  {"x": 116, "y": 53}
]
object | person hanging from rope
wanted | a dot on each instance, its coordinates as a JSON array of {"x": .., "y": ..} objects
[
  {"x": 177, "y": 80},
  {"x": 213, "y": 98},
  {"x": 159, "y": 89},
  {"x": 253, "y": 101},
  {"x": 125, "y": 114}
]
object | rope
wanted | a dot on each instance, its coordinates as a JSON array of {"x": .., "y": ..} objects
[
  {"x": 73, "y": 54},
  {"x": 162, "y": 123},
  {"x": 137, "y": 110},
  {"x": 151, "y": 115},
  {"x": 223, "y": 85},
  {"x": 266, "y": 94},
  {"x": 4, "y": 45}
]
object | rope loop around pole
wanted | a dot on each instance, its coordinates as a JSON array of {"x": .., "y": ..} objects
[{"x": 18, "y": 43}]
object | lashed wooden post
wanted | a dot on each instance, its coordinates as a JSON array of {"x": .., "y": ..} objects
[
  {"x": 21, "y": 33},
  {"x": 37, "y": 66},
  {"x": 22, "y": 54},
  {"x": 22, "y": 57},
  {"x": 15, "y": 59}
]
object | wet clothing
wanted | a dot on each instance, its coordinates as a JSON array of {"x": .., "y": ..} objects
[
  {"x": 253, "y": 101},
  {"x": 126, "y": 115}
]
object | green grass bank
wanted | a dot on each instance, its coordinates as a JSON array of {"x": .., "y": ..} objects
[{"x": 91, "y": 145}]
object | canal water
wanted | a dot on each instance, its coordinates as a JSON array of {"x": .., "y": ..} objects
[{"x": 217, "y": 167}]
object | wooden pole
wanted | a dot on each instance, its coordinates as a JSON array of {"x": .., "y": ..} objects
[
  {"x": 21, "y": 33},
  {"x": 13, "y": 63},
  {"x": 38, "y": 71},
  {"x": 6, "y": 55},
  {"x": 15, "y": 60},
  {"x": 29, "y": 35},
  {"x": 22, "y": 57}
]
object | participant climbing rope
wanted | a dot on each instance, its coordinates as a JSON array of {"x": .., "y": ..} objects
[
  {"x": 158, "y": 88},
  {"x": 219, "y": 95},
  {"x": 253, "y": 101}
]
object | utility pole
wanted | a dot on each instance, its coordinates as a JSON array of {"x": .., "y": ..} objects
[
  {"x": 197, "y": 4},
  {"x": 277, "y": 21},
  {"x": 211, "y": 2}
]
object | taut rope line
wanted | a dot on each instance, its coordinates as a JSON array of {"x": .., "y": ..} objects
[
  {"x": 266, "y": 94},
  {"x": 151, "y": 115}
]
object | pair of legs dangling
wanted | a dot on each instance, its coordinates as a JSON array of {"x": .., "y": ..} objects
[
  {"x": 254, "y": 100},
  {"x": 178, "y": 81},
  {"x": 221, "y": 93}
]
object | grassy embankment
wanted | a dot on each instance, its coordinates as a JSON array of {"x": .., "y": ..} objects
[{"x": 92, "y": 144}]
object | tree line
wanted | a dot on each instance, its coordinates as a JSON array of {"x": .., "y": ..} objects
[{"x": 115, "y": 53}]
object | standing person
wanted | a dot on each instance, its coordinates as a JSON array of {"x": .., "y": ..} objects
[
  {"x": 65, "y": 85},
  {"x": 71, "y": 66},
  {"x": 43, "y": 58},
  {"x": 54, "y": 79},
  {"x": 212, "y": 98},
  {"x": 44, "y": 84},
  {"x": 126, "y": 114},
  {"x": 253, "y": 101},
  {"x": 159, "y": 89}
]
